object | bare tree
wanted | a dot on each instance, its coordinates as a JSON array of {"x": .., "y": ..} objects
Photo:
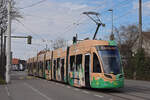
[
  {"x": 59, "y": 43},
  {"x": 15, "y": 14},
  {"x": 127, "y": 37}
]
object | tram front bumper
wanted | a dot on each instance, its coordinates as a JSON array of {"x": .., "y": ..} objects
[{"x": 100, "y": 83}]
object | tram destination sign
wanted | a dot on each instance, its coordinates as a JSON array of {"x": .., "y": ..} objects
[{"x": 101, "y": 48}]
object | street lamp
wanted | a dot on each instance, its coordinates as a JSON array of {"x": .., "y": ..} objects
[
  {"x": 111, "y": 10},
  {"x": 112, "y": 33}
]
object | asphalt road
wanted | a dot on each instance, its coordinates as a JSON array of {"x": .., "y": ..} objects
[{"x": 23, "y": 87}]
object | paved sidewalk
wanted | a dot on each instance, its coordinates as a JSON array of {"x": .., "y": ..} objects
[
  {"x": 23, "y": 87},
  {"x": 4, "y": 92}
]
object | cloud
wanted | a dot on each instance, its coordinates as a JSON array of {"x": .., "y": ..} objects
[
  {"x": 48, "y": 21},
  {"x": 58, "y": 17},
  {"x": 72, "y": 6}
]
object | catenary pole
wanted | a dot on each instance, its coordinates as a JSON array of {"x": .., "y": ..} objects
[
  {"x": 8, "y": 45},
  {"x": 140, "y": 24}
]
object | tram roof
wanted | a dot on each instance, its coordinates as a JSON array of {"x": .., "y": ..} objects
[
  {"x": 48, "y": 55},
  {"x": 90, "y": 43}
]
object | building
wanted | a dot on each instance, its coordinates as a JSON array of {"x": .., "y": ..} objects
[
  {"x": 145, "y": 44},
  {"x": 18, "y": 65}
]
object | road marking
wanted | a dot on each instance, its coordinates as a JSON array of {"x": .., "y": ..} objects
[
  {"x": 68, "y": 87},
  {"x": 85, "y": 92},
  {"x": 98, "y": 96},
  {"x": 76, "y": 89},
  {"x": 21, "y": 78},
  {"x": 7, "y": 90},
  {"x": 62, "y": 85},
  {"x": 37, "y": 91},
  {"x": 28, "y": 77},
  {"x": 45, "y": 80},
  {"x": 59, "y": 84}
]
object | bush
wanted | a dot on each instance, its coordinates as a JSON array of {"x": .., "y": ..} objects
[
  {"x": 2, "y": 81},
  {"x": 138, "y": 66}
]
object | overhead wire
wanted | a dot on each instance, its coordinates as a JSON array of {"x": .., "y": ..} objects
[
  {"x": 33, "y": 44},
  {"x": 34, "y": 4},
  {"x": 41, "y": 37},
  {"x": 126, "y": 14},
  {"x": 66, "y": 29},
  {"x": 117, "y": 5}
]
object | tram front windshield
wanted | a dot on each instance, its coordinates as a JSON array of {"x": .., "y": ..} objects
[{"x": 110, "y": 59}]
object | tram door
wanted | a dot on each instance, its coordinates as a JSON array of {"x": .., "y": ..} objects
[{"x": 87, "y": 70}]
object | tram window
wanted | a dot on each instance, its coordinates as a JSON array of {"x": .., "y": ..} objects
[
  {"x": 40, "y": 65},
  {"x": 78, "y": 62},
  {"x": 50, "y": 64},
  {"x": 34, "y": 65},
  {"x": 72, "y": 63},
  {"x": 54, "y": 63},
  {"x": 62, "y": 62},
  {"x": 58, "y": 63},
  {"x": 28, "y": 66},
  {"x": 47, "y": 65},
  {"x": 96, "y": 64},
  {"x": 31, "y": 66}
]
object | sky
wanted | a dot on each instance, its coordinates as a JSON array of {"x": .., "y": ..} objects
[{"x": 48, "y": 20}]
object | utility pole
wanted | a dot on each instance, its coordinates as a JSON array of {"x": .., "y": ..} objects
[
  {"x": 140, "y": 25},
  {"x": 8, "y": 45}
]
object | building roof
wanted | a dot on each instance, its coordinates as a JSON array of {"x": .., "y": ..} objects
[
  {"x": 15, "y": 61},
  {"x": 146, "y": 35}
]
